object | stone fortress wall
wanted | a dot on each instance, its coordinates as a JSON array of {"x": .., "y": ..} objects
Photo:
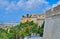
[
  {"x": 53, "y": 12},
  {"x": 52, "y": 24}
]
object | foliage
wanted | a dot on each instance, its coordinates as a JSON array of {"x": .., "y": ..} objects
[
  {"x": 22, "y": 30},
  {"x": 41, "y": 30}
]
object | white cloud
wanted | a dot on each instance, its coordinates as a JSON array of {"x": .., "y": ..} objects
[
  {"x": 28, "y": 5},
  {"x": 33, "y": 4},
  {"x": 3, "y": 4},
  {"x": 54, "y": 5}
]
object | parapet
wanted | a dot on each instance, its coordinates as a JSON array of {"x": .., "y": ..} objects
[{"x": 53, "y": 12}]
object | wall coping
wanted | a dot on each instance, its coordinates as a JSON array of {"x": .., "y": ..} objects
[{"x": 53, "y": 12}]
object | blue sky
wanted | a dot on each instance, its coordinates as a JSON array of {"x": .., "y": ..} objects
[{"x": 12, "y": 10}]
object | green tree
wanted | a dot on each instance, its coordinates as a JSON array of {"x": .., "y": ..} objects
[{"x": 41, "y": 30}]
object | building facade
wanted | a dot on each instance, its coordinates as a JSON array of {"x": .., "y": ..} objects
[{"x": 39, "y": 18}]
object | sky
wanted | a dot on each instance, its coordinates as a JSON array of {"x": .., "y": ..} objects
[{"x": 13, "y": 10}]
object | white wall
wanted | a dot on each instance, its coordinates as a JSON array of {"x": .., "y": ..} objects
[{"x": 52, "y": 28}]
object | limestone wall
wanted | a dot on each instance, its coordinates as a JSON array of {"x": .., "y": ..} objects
[
  {"x": 52, "y": 28},
  {"x": 53, "y": 11},
  {"x": 40, "y": 22},
  {"x": 52, "y": 24}
]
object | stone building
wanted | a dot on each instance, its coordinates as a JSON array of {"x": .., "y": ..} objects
[
  {"x": 39, "y": 18},
  {"x": 52, "y": 24}
]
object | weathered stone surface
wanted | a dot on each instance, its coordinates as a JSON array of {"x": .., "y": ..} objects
[
  {"x": 53, "y": 11},
  {"x": 52, "y": 25}
]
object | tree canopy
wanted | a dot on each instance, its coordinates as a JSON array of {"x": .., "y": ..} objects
[{"x": 22, "y": 30}]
